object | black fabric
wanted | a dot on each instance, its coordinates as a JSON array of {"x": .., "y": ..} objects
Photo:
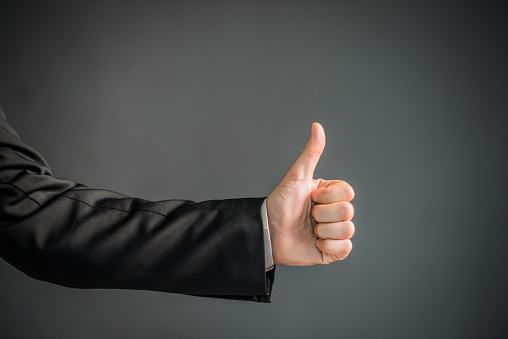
[{"x": 69, "y": 234}]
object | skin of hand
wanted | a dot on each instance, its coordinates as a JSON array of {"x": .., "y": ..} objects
[{"x": 310, "y": 219}]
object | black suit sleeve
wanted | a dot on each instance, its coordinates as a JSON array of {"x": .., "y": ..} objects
[{"x": 68, "y": 234}]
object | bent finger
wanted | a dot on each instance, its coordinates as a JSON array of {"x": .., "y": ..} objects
[
  {"x": 330, "y": 191},
  {"x": 337, "y": 211},
  {"x": 335, "y": 230},
  {"x": 335, "y": 247}
]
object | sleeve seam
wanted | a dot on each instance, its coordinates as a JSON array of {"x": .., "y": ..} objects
[
  {"x": 114, "y": 208},
  {"x": 145, "y": 210},
  {"x": 19, "y": 189}
]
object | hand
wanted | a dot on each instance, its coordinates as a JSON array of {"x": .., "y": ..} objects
[{"x": 310, "y": 219}]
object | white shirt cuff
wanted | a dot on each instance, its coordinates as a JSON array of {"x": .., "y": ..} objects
[{"x": 268, "y": 244}]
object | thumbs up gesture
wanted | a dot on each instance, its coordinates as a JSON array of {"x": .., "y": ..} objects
[{"x": 310, "y": 219}]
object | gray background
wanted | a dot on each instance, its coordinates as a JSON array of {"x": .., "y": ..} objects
[{"x": 209, "y": 100}]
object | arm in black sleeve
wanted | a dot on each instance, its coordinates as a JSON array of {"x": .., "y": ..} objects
[{"x": 68, "y": 234}]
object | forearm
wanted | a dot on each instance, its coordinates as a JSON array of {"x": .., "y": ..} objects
[{"x": 59, "y": 231}]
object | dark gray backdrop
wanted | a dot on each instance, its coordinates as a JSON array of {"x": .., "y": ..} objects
[{"x": 217, "y": 99}]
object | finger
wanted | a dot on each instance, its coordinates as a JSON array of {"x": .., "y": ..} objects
[
  {"x": 340, "y": 248},
  {"x": 337, "y": 211},
  {"x": 335, "y": 230},
  {"x": 304, "y": 166},
  {"x": 331, "y": 191}
]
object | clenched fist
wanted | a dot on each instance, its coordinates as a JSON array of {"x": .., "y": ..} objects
[{"x": 310, "y": 219}]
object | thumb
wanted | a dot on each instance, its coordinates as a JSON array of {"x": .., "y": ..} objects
[{"x": 304, "y": 166}]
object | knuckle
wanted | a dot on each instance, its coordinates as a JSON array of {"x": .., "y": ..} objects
[
  {"x": 350, "y": 192},
  {"x": 348, "y": 210},
  {"x": 346, "y": 191},
  {"x": 314, "y": 151},
  {"x": 349, "y": 229},
  {"x": 348, "y": 246}
]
